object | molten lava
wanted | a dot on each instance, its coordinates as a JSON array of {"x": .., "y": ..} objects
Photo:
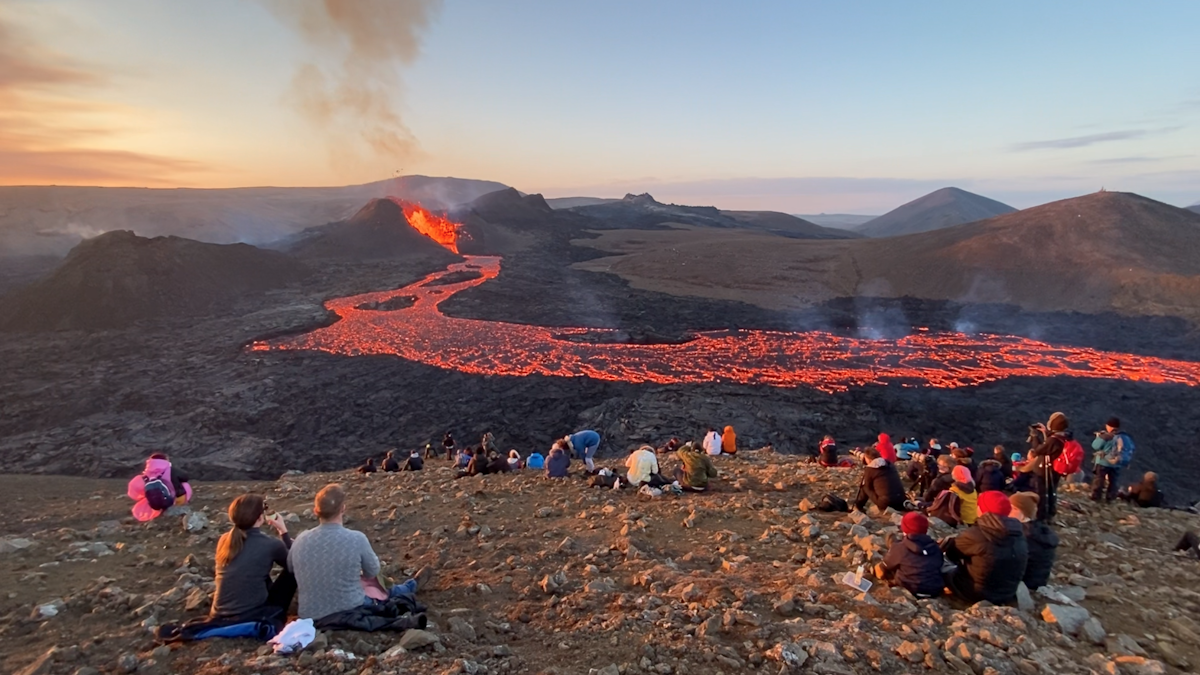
[
  {"x": 824, "y": 361},
  {"x": 438, "y": 228}
]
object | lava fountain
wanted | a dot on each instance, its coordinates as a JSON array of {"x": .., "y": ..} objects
[
  {"x": 438, "y": 228},
  {"x": 420, "y": 332}
]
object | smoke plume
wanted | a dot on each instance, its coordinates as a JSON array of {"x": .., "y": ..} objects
[{"x": 351, "y": 85}]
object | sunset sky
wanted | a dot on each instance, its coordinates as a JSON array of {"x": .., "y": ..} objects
[{"x": 794, "y": 106}]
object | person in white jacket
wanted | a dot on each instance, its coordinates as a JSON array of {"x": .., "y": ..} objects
[{"x": 712, "y": 442}]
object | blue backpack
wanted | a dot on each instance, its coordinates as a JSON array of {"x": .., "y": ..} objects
[
  {"x": 1126, "y": 451},
  {"x": 159, "y": 494}
]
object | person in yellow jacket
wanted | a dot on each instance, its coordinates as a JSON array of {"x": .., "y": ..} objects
[
  {"x": 968, "y": 497},
  {"x": 729, "y": 442}
]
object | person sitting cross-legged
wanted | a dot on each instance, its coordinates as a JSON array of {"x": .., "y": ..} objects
[
  {"x": 695, "y": 469},
  {"x": 915, "y": 562}
]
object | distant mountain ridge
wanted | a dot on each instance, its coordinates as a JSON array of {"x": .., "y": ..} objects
[{"x": 940, "y": 209}]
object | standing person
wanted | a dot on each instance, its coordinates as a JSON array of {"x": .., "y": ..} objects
[
  {"x": 584, "y": 444},
  {"x": 712, "y": 442},
  {"x": 448, "y": 446},
  {"x": 1048, "y": 441},
  {"x": 695, "y": 469},
  {"x": 641, "y": 466},
  {"x": 915, "y": 562},
  {"x": 729, "y": 441},
  {"x": 159, "y": 487},
  {"x": 390, "y": 463},
  {"x": 991, "y": 554},
  {"x": 331, "y": 563},
  {"x": 488, "y": 443},
  {"x": 1114, "y": 451},
  {"x": 1041, "y": 540}
]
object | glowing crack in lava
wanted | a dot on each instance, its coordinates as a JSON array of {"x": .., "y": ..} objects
[
  {"x": 440, "y": 229},
  {"x": 824, "y": 361}
]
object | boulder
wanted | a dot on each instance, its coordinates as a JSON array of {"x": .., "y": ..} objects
[{"x": 1070, "y": 620}]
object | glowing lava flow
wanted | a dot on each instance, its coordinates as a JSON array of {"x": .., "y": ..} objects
[
  {"x": 442, "y": 230},
  {"x": 824, "y": 361}
]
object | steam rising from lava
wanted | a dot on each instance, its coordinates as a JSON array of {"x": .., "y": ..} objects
[{"x": 821, "y": 360}]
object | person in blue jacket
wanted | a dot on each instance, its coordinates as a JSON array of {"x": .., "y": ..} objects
[
  {"x": 1114, "y": 451},
  {"x": 584, "y": 444},
  {"x": 906, "y": 449}
]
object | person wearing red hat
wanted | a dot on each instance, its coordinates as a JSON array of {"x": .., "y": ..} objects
[
  {"x": 915, "y": 562},
  {"x": 991, "y": 554}
]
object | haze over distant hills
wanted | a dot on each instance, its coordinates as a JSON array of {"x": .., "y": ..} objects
[
  {"x": 847, "y": 221},
  {"x": 1194, "y": 207},
  {"x": 939, "y": 209}
]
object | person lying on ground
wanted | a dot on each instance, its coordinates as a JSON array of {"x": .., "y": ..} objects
[
  {"x": 159, "y": 487},
  {"x": 695, "y": 470},
  {"x": 991, "y": 555},
  {"x": 584, "y": 444},
  {"x": 990, "y": 476},
  {"x": 880, "y": 484},
  {"x": 558, "y": 463},
  {"x": 367, "y": 467},
  {"x": 390, "y": 463},
  {"x": 333, "y": 567},
  {"x": 414, "y": 462},
  {"x": 1144, "y": 494},
  {"x": 514, "y": 460},
  {"x": 942, "y": 481},
  {"x": 959, "y": 504},
  {"x": 913, "y": 563},
  {"x": 1040, "y": 539},
  {"x": 712, "y": 442},
  {"x": 641, "y": 465},
  {"x": 669, "y": 447},
  {"x": 729, "y": 441}
]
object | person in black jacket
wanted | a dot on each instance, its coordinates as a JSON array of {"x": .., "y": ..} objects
[
  {"x": 915, "y": 562},
  {"x": 1042, "y": 541},
  {"x": 414, "y": 462},
  {"x": 1048, "y": 441},
  {"x": 990, "y": 476},
  {"x": 1001, "y": 455},
  {"x": 881, "y": 484},
  {"x": 1146, "y": 493},
  {"x": 448, "y": 446},
  {"x": 991, "y": 554},
  {"x": 942, "y": 482}
]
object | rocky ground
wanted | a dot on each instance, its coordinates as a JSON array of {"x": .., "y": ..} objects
[{"x": 534, "y": 576}]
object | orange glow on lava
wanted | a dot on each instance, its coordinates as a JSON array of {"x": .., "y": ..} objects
[
  {"x": 823, "y": 361},
  {"x": 438, "y": 228}
]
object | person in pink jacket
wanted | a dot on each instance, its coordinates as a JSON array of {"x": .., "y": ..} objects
[{"x": 157, "y": 488}]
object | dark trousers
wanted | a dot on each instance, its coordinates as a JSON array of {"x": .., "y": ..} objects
[
  {"x": 1046, "y": 488},
  {"x": 282, "y": 590},
  {"x": 1104, "y": 483}
]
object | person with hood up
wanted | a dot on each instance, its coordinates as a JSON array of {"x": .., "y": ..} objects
[
  {"x": 990, "y": 476},
  {"x": 558, "y": 462},
  {"x": 881, "y": 484},
  {"x": 886, "y": 450},
  {"x": 915, "y": 562},
  {"x": 1041, "y": 540},
  {"x": 958, "y": 505},
  {"x": 584, "y": 444},
  {"x": 1146, "y": 493},
  {"x": 991, "y": 555},
  {"x": 159, "y": 487},
  {"x": 942, "y": 482},
  {"x": 1114, "y": 452},
  {"x": 1048, "y": 441},
  {"x": 642, "y": 466},
  {"x": 535, "y": 461},
  {"x": 514, "y": 460},
  {"x": 390, "y": 463},
  {"x": 712, "y": 442},
  {"x": 729, "y": 441},
  {"x": 695, "y": 470},
  {"x": 827, "y": 455},
  {"x": 906, "y": 449}
]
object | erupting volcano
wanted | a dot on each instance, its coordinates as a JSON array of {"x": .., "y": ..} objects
[
  {"x": 438, "y": 228},
  {"x": 824, "y": 361}
]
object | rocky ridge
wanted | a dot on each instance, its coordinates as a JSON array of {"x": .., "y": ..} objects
[{"x": 555, "y": 577}]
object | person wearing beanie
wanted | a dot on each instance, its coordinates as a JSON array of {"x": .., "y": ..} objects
[
  {"x": 1048, "y": 440},
  {"x": 1114, "y": 452},
  {"x": 1041, "y": 540},
  {"x": 881, "y": 484},
  {"x": 991, "y": 555},
  {"x": 1146, "y": 493},
  {"x": 968, "y": 497},
  {"x": 990, "y": 476},
  {"x": 913, "y": 563}
]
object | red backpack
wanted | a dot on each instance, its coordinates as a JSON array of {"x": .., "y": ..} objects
[{"x": 1071, "y": 460}]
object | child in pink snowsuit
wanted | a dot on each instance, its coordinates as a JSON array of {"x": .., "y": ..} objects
[{"x": 157, "y": 467}]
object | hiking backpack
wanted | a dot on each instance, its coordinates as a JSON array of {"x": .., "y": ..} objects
[
  {"x": 947, "y": 507},
  {"x": 832, "y": 503},
  {"x": 158, "y": 494},
  {"x": 1126, "y": 451},
  {"x": 1071, "y": 460}
]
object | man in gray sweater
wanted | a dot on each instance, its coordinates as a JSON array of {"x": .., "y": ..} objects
[{"x": 329, "y": 561}]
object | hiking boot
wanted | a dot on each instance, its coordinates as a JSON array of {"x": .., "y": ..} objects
[{"x": 423, "y": 577}]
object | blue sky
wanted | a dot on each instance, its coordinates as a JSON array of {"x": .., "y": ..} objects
[{"x": 794, "y": 106}]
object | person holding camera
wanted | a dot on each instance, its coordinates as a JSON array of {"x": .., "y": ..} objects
[
  {"x": 1048, "y": 441},
  {"x": 1114, "y": 451}
]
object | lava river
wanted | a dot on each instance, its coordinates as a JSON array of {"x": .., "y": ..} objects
[{"x": 824, "y": 361}]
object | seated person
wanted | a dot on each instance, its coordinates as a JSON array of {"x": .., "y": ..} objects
[
  {"x": 159, "y": 487},
  {"x": 990, "y": 476},
  {"x": 991, "y": 555},
  {"x": 1190, "y": 543},
  {"x": 390, "y": 463},
  {"x": 558, "y": 463},
  {"x": 915, "y": 562},
  {"x": 906, "y": 448},
  {"x": 535, "y": 461},
  {"x": 514, "y": 460},
  {"x": 463, "y": 457},
  {"x": 729, "y": 441},
  {"x": 1022, "y": 480},
  {"x": 642, "y": 466},
  {"x": 1041, "y": 540},
  {"x": 695, "y": 469},
  {"x": 671, "y": 446},
  {"x": 940, "y": 482},
  {"x": 414, "y": 462},
  {"x": 331, "y": 563},
  {"x": 1006, "y": 463},
  {"x": 827, "y": 455},
  {"x": 921, "y": 472},
  {"x": 1146, "y": 493},
  {"x": 958, "y": 505},
  {"x": 881, "y": 484},
  {"x": 497, "y": 463},
  {"x": 368, "y": 467}
]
